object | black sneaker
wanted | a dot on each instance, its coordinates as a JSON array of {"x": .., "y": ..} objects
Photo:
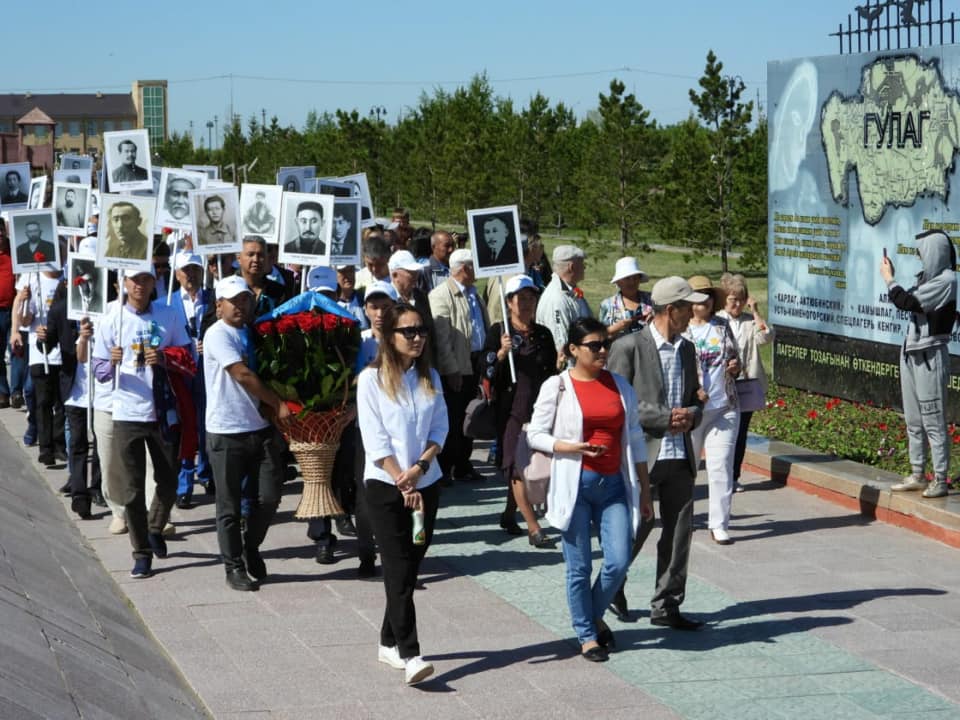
[
  {"x": 158, "y": 545},
  {"x": 183, "y": 502},
  {"x": 237, "y": 579},
  {"x": 255, "y": 564},
  {"x": 325, "y": 555},
  {"x": 48, "y": 461},
  {"x": 141, "y": 568},
  {"x": 80, "y": 504},
  {"x": 345, "y": 526}
]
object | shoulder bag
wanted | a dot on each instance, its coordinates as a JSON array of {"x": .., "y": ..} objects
[{"x": 534, "y": 466}]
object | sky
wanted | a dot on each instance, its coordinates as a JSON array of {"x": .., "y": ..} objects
[{"x": 322, "y": 56}]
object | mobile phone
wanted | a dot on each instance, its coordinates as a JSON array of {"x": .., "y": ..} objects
[{"x": 885, "y": 254}]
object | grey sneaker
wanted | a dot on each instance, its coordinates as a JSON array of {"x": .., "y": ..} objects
[
  {"x": 938, "y": 488},
  {"x": 910, "y": 482}
]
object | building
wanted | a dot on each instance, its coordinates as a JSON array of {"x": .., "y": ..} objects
[{"x": 80, "y": 119}]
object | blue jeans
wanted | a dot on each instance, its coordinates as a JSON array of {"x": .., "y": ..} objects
[{"x": 601, "y": 501}]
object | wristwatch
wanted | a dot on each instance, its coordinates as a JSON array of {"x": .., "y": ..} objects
[{"x": 423, "y": 465}]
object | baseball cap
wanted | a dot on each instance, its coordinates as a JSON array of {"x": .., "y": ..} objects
[
  {"x": 133, "y": 273},
  {"x": 674, "y": 289},
  {"x": 379, "y": 287},
  {"x": 322, "y": 278},
  {"x": 460, "y": 257},
  {"x": 566, "y": 253},
  {"x": 518, "y": 283},
  {"x": 230, "y": 287},
  {"x": 404, "y": 260},
  {"x": 187, "y": 258}
]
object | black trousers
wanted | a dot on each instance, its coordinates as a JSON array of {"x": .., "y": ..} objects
[
  {"x": 672, "y": 486},
  {"x": 740, "y": 449},
  {"x": 454, "y": 459},
  {"x": 258, "y": 458},
  {"x": 131, "y": 443},
  {"x": 393, "y": 528},
  {"x": 80, "y": 446},
  {"x": 50, "y": 417}
]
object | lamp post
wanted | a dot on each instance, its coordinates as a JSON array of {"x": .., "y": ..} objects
[
  {"x": 210, "y": 134},
  {"x": 375, "y": 112},
  {"x": 216, "y": 124}
]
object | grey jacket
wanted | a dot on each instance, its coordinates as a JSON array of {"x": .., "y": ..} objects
[{"x": 635, "y": 357}]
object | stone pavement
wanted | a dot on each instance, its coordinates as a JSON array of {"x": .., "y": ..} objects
[{"x": 815, "y": 612}]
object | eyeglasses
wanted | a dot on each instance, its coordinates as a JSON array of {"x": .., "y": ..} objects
[
  {"x": 412, "y": 331},
  {"x": 597, "y": 345}
]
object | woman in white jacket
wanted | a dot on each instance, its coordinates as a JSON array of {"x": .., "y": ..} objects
[{"x": 588, "y": 418}]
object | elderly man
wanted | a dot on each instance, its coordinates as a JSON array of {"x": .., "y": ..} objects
[
  {"x": 128, "y": 171},
  {"x": 176, "y": 199},
  {"x": 562, "y": 301},
  {"x": 376, "y": 257},
  {"x": 437, "y": 269},
  {"x": 310, "y": 229},
  {"x": 461, "y": 323},
  {"x": 124, "y": 239},
  {"x": 662, "y": 366}
]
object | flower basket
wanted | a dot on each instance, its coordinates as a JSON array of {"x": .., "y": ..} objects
[{"x": 314, "y": 440}]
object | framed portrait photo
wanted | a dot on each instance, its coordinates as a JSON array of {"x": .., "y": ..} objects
[
  {"x": 216, "y": 219},
  {"x": 38, "y": 192},
  {"x": 86, "y": 287},
  {"x": 14, "y": 185},
  {"x": 211, "y": 171},
  {"x": 174, "y": 209},
  {"x": 71, "y": 161},
  {"x": 331, "y": 186},
  {"x": 260, "y": 211},
  {"x": 125, "y": 232},
  {"x": 361, "y": 189},
  {"x": 71, "y": 202},
  {"x": 81, "y": 176},
  {"x": 95, "y": 202},
  {"x": 33, "y": 239},
  {"x": 345, "y": 232},
  {"x": 305, "y": 228},
  {"x": 127, "y": 158},
  {"x": 497, "y": 248},
  {"x": 293, "y": 179}
]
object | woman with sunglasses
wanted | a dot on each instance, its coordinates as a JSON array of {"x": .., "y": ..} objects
[
  {"x": 535, "y": 359},
  {"x": 588, "y": 418},
  {"x": 403, "y": 423}
]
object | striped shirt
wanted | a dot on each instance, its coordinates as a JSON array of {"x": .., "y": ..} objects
[{"x": 672, "y": 446}]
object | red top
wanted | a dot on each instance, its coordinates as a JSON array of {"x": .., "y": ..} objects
[
  {"x": 602, "y": 421},
  {"x": 7, "y": 285}
]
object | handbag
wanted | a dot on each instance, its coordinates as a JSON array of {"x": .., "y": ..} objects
[
  {"x": 480, "y": 419},
  {"x": 751, "y": 395},
  {"x": 535, "y": 465}
]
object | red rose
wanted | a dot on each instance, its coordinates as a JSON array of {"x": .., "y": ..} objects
[
  {"x": 312, "y": 323},
  {"x": 578, "y": 293},
  {"x": 330, "y": 322},
  {"x": 812, "y": 414},
  {"x": 781, "y": 402},
  {"x": 39, "y": 257},
  {"x": 167, "y": 231},
  {"x": 293, "y": 407},
  {"x": 266, "y": 328},
  {"x": 882, "y": 427},
  {"x": 286, "y": 324}
]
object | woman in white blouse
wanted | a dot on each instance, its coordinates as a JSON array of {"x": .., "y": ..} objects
[{"x": 403, "y": 423}]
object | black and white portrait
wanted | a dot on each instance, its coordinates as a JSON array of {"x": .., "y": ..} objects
[
  {"x": 38, "y": 192},
  {"x": 260, "y": 211},
  {"x": 34, "y": 239},
  {"x": 211, "y": 171},
  {"x": 70, "y": 161},
  {"x": 332, "y": 186},
  {"x": 87, "y": 287},
  {"x": 345, "y": 233},
  {"x": 71, "y": 176},
  {"x": 127, "y": 155},
  {"x": 70, "y": 202},
  {"x": 125, "y": 232},
  {"x": 216, "y": 214},
  {"x": 174, "y": 208},
  {"x": 496, "y": 241},
  {"x": 360, "y": 189},
  {"x": 305, "y": 228},
  {"x": 14, "y": 185},
  {"x": 293, "y": 179}
]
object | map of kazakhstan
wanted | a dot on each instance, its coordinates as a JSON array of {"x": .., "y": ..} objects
[{"x": 900, "y": 135}]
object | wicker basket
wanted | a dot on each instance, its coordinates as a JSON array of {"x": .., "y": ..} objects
[{"x": 314, "y": 441}]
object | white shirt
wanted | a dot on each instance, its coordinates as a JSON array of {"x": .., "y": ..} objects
[
  {"x": 401, "y": 427},
  {"x": 230, "y": 408},
  {"x": 159, "y": 326},
  {"x": 41, "y": 298},
  {"x": 103, "y": 391}
]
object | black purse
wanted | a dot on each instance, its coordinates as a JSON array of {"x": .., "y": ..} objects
[{"x": 480, "y": 421}]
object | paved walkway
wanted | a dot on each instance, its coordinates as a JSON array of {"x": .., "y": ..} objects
[{"x": 815, "y": 612}]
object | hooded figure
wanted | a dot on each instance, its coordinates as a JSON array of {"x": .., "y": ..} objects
[{"x": 924, "y": 358}]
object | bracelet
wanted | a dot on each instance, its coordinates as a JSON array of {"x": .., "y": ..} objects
[{"x": 423, "y": 465}]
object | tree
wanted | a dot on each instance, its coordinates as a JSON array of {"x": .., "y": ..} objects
[{"x": 718, "y": 106}]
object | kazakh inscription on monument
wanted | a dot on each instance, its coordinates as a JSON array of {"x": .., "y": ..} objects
[{"x": 900, "y": 135}]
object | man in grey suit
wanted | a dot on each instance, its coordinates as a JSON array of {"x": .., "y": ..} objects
[{"x": 662, "y": 366}]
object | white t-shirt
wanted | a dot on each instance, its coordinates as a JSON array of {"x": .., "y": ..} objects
[
  {"x": 157, "y": 327},
  {"x": 102, "y": 391},
  {"x": 368, "y": 350},
  {"x": 230, "y": 408},
  {"x": 41, "y": 298}
]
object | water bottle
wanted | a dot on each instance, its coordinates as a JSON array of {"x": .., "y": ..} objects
[{"x": 419, "y": 533}]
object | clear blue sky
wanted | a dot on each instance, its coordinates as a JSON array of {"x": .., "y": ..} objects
[{"x": 386, "y": 54}]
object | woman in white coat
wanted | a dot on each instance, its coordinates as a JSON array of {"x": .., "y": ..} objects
[{"x": 588, "y": 418}]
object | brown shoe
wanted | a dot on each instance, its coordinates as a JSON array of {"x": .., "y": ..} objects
[{"x": 4, "y": 401}]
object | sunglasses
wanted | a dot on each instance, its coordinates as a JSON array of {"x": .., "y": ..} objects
[
  {"x": 412, "y": 331},
  {"x": 597, "y": 345}
]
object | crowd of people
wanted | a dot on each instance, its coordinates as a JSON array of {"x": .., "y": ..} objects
[{"x": 159, "y": 395}]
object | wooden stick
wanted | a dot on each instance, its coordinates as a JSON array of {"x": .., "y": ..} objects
[
  {"x": 173, "y": 256},
  {"x": 506, "y": 327}
]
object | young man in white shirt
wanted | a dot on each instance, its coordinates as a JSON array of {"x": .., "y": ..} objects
[
  {"x": 240, "y": 440},
  {"x": 129, "y": 349}
]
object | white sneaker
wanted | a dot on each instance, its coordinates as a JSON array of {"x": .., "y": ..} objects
[
  {"x": 390, "y": 656},
  {"x": 938, "y": 488},
  {"x": 721, "y": 536},
  {"x": 118, "y": 526},
  {"x": 169, "y": 530},
  {"x": 417, "y": 669},
  {"x": 910, "y": 482}
]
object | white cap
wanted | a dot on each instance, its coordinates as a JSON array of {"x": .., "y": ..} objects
[
  {"x": 627, "y": 267},
  {"x": 404, "y": 260},
  {"x": 518, "y": 283},
  {"x": 231, "y": 286},
  {"x": 379, "y": 287},
  {"x": 460, "y": 257},
  {"x": 187, "y": 258},
  {"x": 322, "y": 278},
  {"x": 566, "y": 253}
]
